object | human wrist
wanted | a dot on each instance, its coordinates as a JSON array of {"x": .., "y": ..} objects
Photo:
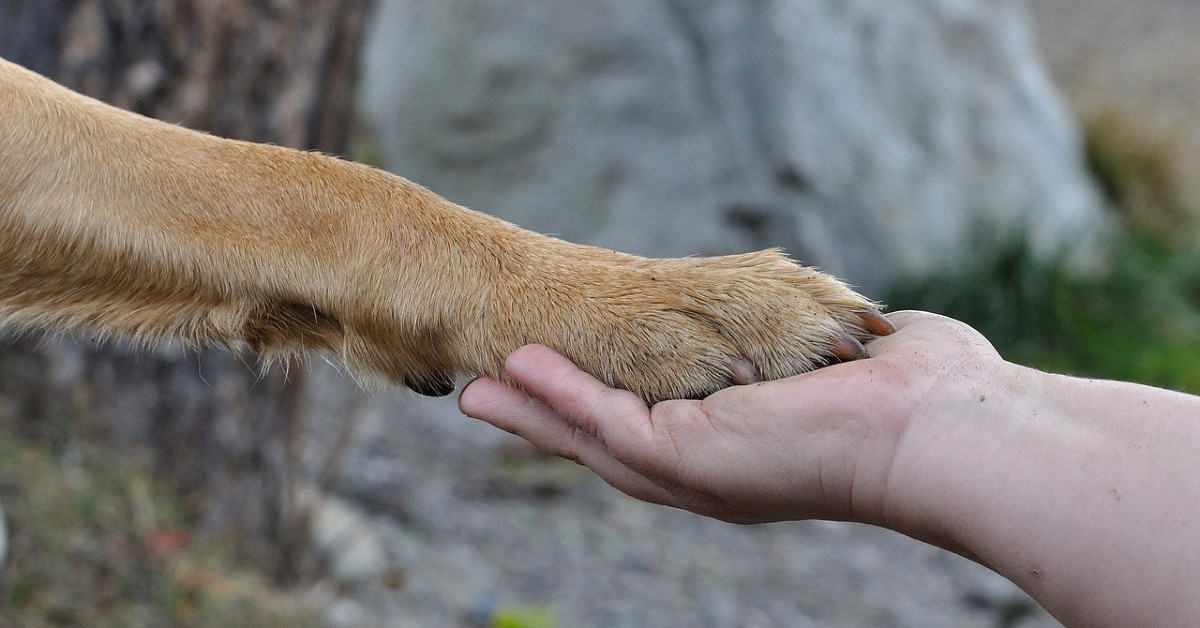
[
  {"x": 956, "y": 455},
  {"x": 1061, "y": 485}
]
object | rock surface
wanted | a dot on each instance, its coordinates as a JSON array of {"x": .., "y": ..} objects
[{"x": 877, "y": 140}]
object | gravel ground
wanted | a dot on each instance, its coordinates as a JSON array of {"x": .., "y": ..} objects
[
  {"x": 473, "y": 521},
  {"x": 469, "y": 521}
]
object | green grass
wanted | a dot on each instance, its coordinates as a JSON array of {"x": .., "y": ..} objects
[
  {"x": 1138, "y": 320},
  {"x": 534, "y": 616}
]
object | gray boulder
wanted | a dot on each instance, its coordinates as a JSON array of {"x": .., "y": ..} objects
[{"x": 877, "y": 139}]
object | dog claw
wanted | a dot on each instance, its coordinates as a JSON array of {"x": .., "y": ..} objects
[
  {"x": 847, "y": 348},
  {"x": 876, "y": 323}
]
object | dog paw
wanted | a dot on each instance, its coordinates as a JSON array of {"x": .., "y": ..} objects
[{"x": 685, "y": 328}]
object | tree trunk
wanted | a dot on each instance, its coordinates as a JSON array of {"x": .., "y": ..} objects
[{"x": 279, "y": 71}]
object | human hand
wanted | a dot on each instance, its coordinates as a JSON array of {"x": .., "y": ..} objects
[
  {"x": 1064, "y": 485},
  {"x": 817, "y": 445}
]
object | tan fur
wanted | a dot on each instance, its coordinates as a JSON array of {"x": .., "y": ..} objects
[{"x": 119, "y": 224}]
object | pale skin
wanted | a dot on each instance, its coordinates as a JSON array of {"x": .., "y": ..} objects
[{"x": 1084, "y": 493}]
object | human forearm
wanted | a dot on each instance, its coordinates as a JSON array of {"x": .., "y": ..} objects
[{"x": 1082, "y": 492}]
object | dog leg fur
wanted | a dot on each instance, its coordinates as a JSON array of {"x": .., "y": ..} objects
[{"x": 118, "y": 224}]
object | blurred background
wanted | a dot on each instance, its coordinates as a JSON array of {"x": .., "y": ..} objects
[{"x": 1033, "y": 169}]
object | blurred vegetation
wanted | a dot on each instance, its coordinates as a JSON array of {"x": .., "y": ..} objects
[
  {"x": 1140, "y": 176},
  {"x": 1136, "y": 318},
  {"x": 534, "y": 616},
  {"x": 95, "y": 542}
]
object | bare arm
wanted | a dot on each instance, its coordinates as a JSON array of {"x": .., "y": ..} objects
[{"x": 1084, "y": 493}]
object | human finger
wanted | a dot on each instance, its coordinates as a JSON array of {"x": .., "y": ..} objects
[
  {"x": 518, "y": 413},
  {"x": 617, "y": 417}
]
